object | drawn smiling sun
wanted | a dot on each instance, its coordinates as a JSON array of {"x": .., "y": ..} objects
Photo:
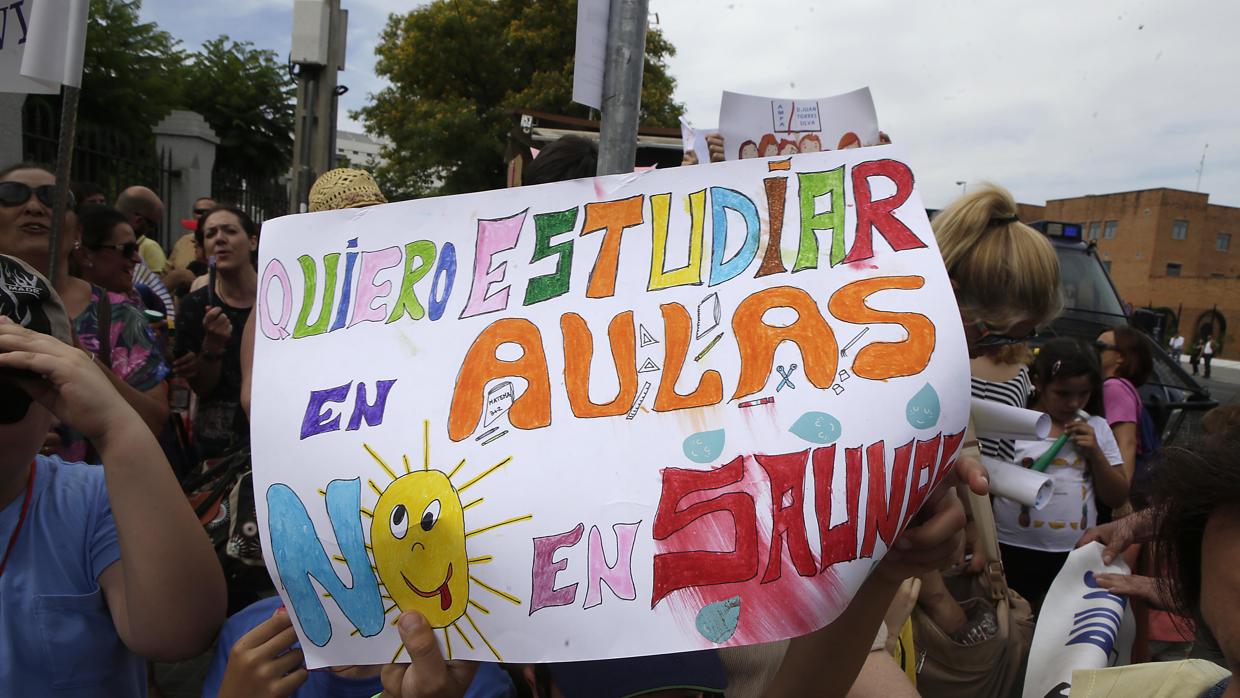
[{"x": 418, "y": 542}]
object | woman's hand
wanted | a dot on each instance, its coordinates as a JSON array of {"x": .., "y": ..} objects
[
  {"x": 263, "y": 662},
  {"x": 217, "y": 329},
  {"x": 714, "y": 143},
  {"x": 1121, "y": 533},
  {"x": 69, "y": 383},
  {"x": 427, "y": 675},
  {"x": 1135, "y": 586}
]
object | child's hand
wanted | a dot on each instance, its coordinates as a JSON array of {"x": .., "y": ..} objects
[
  {"x": 428, "y": 675},
  {"x": 72, "y": 387},
  {"x": 1084, "y": 438},
  {"x": 263, "y": 663}
]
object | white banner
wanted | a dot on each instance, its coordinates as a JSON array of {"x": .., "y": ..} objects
[
  {"x": 1081, "y": 626},
  {"x": 42, "y": 43},
  {"x": 628, "y": 415}
]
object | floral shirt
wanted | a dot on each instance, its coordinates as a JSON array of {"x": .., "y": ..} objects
[{"x": 137, "y": 357}]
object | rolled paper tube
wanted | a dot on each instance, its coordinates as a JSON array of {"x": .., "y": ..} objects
[
  {"x": 1044, "y": 461},
  {"x": 1021, "y": 485},
  {"x": 994, "y": 420}
]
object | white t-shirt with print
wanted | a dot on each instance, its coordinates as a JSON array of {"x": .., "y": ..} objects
[{"x": 1072, "y": 509}]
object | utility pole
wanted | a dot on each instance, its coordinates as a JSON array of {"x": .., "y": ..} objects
[
  {"x": 1202, "y": 167},
  {"x": 319, "y": 30},
  {"x": 622, "y": 85}
]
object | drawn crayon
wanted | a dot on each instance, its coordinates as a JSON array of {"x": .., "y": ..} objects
[
  {"x": 487, "y": 433},
  {"x": 755, "y": 403},
  {"x": 709, "y": 346},
  {"x": 484, "y": 443}
]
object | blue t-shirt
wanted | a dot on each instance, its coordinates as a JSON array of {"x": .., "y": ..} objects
[
  {"x": 490, "y": 681},
  {"x": 59, "y": 638}
]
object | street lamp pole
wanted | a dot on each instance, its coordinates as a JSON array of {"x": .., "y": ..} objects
[{"x": 964, "y": 186}]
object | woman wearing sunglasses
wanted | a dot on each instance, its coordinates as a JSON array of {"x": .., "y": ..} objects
[{"x": 26, "y": 195}]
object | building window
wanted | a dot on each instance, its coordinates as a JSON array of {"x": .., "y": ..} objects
[
  {"x": 1173, "y": 268},
  {"x": 1108, "y": 231},
  {"x": 1093, "y": 230},
  {"x": 1106, "y": 264},
  {"x": 1179, "y": 230},
  {"x": 1223, "y": 242}
]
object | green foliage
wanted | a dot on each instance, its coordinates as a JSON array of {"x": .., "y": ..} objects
[
  {"x": 247, "y": 96},
  {"x": 458, "y": 68},
  {"x": 132, "y": 70}
]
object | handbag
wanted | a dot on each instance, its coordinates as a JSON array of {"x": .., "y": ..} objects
[
  {"x": 222, "y": 496},
  {"x": 993, "y": 667}
]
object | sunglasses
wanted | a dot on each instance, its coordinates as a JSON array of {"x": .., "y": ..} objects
[
  {"x": 990, "y": 339},
  {"x": 1103, "y": 346},
  {"x": 127, "y": 249},
  {"x": 200, "y": 212},
  {"x": 16, "y": 194}
]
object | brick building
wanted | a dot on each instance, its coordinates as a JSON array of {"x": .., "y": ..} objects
[{"x": 1167, "y": 249}]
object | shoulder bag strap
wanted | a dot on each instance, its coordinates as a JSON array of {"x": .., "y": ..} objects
[{"x": 987, "y": 536}]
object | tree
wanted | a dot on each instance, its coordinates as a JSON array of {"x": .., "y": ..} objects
[
  {"x": 458, "y": 68},
  {"x": 131, "y": 70},
  {"x": 247, "y": 96}
]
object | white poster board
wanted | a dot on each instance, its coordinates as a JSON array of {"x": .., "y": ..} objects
[
  {"x": 694, "y": 140},
  {"x": 1081, "y": 626},
  {"x": 765, "y": 127},
  {"x": 590, "y": 52},
  {"x": 42, "y": 44},
  {"x": 627, "y": 415}
]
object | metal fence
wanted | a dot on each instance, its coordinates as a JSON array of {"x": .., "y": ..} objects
[
  {"x": 259, "y": 196},
  {"x": 101, "y": 157}
]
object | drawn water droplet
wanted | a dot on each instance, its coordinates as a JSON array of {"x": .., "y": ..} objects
[
  {"x": 704, "y": 446},
  {"x": 923, "y": 410},
  {"x": 717, "y": 621},
  {"x": 817, "y": 428}
]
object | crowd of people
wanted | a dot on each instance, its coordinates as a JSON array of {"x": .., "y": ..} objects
[{"x": 124, "y": 397}]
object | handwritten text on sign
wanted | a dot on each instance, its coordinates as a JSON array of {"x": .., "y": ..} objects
[{"x": 607, "y": 417}]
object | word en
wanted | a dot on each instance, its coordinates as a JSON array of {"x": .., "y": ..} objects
[
  {"x": 320, "y": 418},
  {"x": 618, "y": 575}
]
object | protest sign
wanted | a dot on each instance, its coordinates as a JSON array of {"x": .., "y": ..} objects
[
  {"x": 635, "y": 414},
  {"x": 590, "y": 52},
  {"x": 42, "y": 43},
  {"x": 764, "y": 127},
  {"x": 1081, "y": 625},
  {"x": 694, "y": 140}
]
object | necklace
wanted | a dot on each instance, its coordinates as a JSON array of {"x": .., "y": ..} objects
[{"x": 21, "y": 518}]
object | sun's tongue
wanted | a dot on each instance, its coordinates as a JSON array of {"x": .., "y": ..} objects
[{"x": 445, "y": 597}]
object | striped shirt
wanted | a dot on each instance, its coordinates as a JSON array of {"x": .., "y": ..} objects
[{"x": 1013, "y": 391}]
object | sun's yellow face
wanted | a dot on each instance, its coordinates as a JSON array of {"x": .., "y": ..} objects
[{"x": 418, "y": 537}]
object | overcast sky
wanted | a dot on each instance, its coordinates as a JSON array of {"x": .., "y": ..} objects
[{"x": 1051, "y": 99}]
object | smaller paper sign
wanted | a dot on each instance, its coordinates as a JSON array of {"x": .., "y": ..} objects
[
  {"x": 1081, "y": 625},
  {"x": 765, "y": 127},
  {"x": 590, "y": 57},
  {"x": 42, "y": 45},
  {"x": 694, "y": 139}
]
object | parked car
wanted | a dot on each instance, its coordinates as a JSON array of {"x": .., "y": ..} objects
[{"x": 1093, "y": 305}]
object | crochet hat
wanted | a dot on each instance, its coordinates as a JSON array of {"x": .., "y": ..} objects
[
  {"x": 344, "y": 188},
  {"x": 28, "y": 299}
]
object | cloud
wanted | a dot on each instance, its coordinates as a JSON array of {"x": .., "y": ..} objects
[{"x": 1050, "y": 99}]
